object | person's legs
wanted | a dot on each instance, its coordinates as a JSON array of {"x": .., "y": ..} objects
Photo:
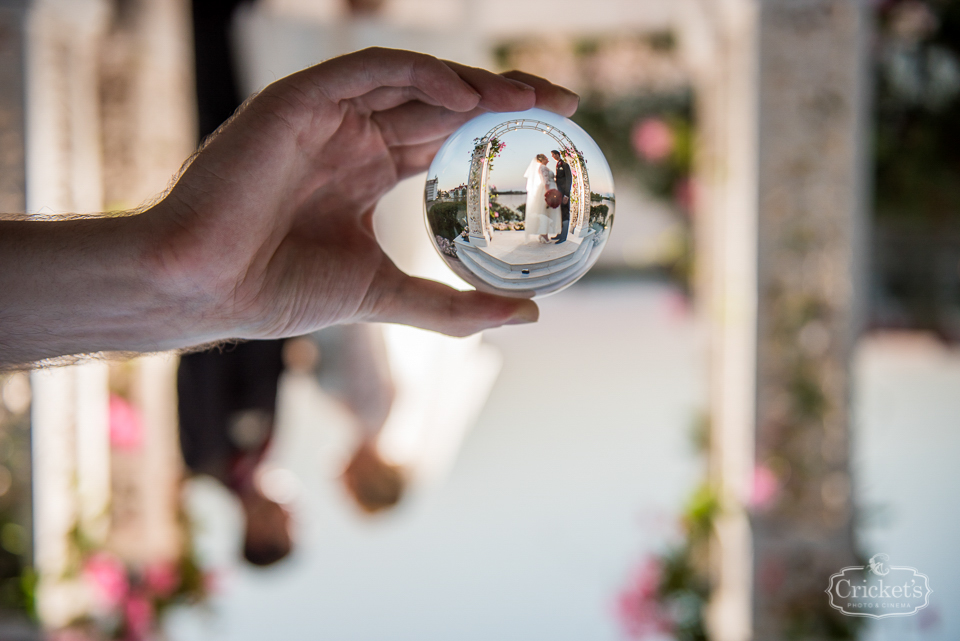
[
  {"x": 564, "y": 224},
  {"x": 204, "y": 436},
  {"x": 227, "y": 406}
]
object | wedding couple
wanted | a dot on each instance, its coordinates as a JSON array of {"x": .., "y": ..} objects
[{"x": 540, "y": 219}]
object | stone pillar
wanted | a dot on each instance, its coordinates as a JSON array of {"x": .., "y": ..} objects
[
  {"x": 149, "y": 129},
  {"x": 145, "y": 510},
  {"x": 12, "y": 105},
  {"x": 781, "y": 87},
  {"x": 147, "y": 103},
  {"x": 812, "y": 79}
]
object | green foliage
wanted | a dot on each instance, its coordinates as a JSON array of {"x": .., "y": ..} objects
[
  {"x": 495, "y": 147},
  {"x": 702, "y": 510},
  {"x": 585, "y": 47},
  {"x": 17, "y": 578},
  {"x": 505, "y": 214},
  {"x": 916, "y": 154},
  {"x": 662, "y": 40},
  {"x": 14, "y": 594},
  {"x": 598, "y": 213},
  {"x": 813, "y": 618},
  {"x": 445, "y": 218},
  {"x": 502, "y": 54},
  {"x": 809, "y": 402},
  {"x": 684, "y": 588},
  {"x": 917, "y": 116},
  {"x": 685, "y": 592}
]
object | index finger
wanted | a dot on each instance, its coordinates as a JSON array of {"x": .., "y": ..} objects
[
  {"x": 355, "y": 74},
  {"x": 549, "y": 96},
  {"x": 386, "y": 78}
]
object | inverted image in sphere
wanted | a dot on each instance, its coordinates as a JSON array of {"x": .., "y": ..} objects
[{"x": 519, "y": 204}]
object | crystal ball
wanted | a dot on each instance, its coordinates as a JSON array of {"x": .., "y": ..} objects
[{"x": 519, "y": 204}]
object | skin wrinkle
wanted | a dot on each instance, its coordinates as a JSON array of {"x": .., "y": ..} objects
[
  {"x": 385, "y": 98},
  {"x": 247, "y": 274},
  {"x": 270, "y": 114},
  {"x": 415, "y": 73},
  {"x": 405, "y": 134},
  {"x": 387, "y": 132},
  {"x": 291, "y": 318}
]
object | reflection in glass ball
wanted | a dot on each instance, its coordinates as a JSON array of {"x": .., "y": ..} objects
[{"x": 519, "y": 204}]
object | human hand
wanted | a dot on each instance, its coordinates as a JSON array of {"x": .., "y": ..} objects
[
  {"x": 566, "y": 199},
  {"x": 268, "y": 233}
]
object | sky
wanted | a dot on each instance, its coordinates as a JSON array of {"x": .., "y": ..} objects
[{"x": 522, "y": 147}]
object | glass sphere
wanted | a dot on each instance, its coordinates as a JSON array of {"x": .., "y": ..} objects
[{"x": 519, "y": 204}]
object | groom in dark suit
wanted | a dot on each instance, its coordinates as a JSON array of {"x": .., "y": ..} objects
[{"x": 564, "y": 182}]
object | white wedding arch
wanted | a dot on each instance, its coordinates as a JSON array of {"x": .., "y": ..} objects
[{"x": 478, "y": 205}]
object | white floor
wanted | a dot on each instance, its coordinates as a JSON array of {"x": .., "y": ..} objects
[
  {"x": 574, "y": 472},
  {"x": 516, "y": 248},
  {"x": 908, "y": 473}
]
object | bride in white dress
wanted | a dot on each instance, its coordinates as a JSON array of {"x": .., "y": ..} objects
[{"x": 539, "y": 220}]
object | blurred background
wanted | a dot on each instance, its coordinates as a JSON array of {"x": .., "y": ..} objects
[{"x": 755, "y": 387}]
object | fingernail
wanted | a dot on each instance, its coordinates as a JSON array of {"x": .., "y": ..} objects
[
  {"x": 528, "y": 312},
  {"x": 469, "y": 87},
  {"x": 520, "y": 85}
]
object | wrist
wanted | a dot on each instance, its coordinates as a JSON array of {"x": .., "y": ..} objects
[
  {"x": 175, "y": 273},
  {"x": 126, "y": 299}
]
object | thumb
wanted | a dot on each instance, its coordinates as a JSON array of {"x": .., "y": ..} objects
[{"x": 431, "y": 305}]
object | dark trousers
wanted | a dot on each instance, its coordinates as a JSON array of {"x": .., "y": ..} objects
[
  {"x": 227, "y": 401},
  {"x": 565, "y": 221}
]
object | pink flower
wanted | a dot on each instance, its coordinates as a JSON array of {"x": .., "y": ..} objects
[
  {"x": 126, "y": 428},
  {"x": 212, "y": 581},
  {"x": 138, "y": 613},
  {"x": 638, "y": 609},
  {"x": 652, "y": 139},
  {"x": 108, "y": 577},
  {"x": 684, "y": 193},
  {"x": 765, "y": 487},
  {"x": 161, "y": 578},
  {"x": 677, "y": 305}
]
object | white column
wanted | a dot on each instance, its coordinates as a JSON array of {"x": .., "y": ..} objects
[
  {"x": 69, "y": 407},
  {"x": 720, "y": 41},
  {"x": 54, "y": 504}
]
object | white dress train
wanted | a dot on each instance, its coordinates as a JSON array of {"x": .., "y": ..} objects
[{"x": 538, "y": 219}]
